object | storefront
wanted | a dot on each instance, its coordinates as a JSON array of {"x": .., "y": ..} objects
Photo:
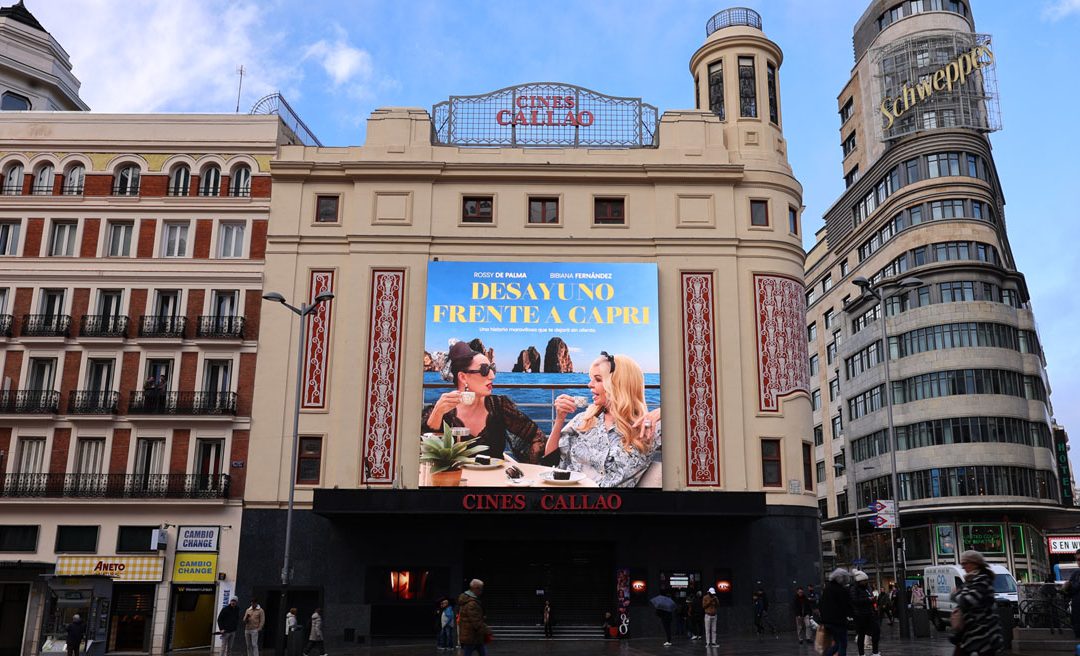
[
  {"x": 21, "y": 587},
  {"x": 193, "y": 595}
]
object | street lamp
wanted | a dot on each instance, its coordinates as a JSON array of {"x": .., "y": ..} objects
[
  {"x": 870, "y": 289},
  {"x": 303, "y": 311}
]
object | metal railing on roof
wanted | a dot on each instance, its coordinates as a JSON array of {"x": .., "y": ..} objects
[
  {"x": 732, "y": 17},
  {"x": 275, "y": 103}
]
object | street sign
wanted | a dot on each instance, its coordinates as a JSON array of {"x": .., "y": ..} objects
[{"x": 887, "y": 506}]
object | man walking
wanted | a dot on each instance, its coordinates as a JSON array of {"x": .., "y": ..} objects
[
  {"x": 804, "y": 609},
  {"x": 227, "y": 621},
  {"x": 866, "y": 620},
  {"x": 254, "y": 618},
  {"x": 473, "y": 632},
  {"x": 75, "y": 633},
  {"x": 709, "y": 605}
]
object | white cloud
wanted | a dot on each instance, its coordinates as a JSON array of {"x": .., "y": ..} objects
[
  {"x": 341, "y": 61},
  {"x": 1060, "y": 9}
]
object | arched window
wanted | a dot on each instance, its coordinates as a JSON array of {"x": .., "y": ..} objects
[
  {"x": 240, "y": 183},
  {"x": 210, "y": 182},
  {"x": 13, "y": 102},
  {"x": 13, "y": 180},
  {"x": 127, "y": 181},
  {"x": 180, "y": 181},
  {"x": 43, "y": 180},
  {"x": 74, "y": 179}
]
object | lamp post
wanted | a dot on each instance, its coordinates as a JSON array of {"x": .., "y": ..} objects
[
  {"x": 303, "y": 311},
  {"x": 870, "y": 289}
]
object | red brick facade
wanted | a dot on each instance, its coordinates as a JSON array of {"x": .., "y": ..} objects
[
  {"x": 32, "y": 245},
  {"x": 136, "y": 308},
  {"x": 12, "y": 367},
  {"x": 91, "y": 228},
  {"x": 245, "y": 384},
  {"x": 260, "y": 186},
  {"x": 188, "y": 363},
  {"x": 80, "y": 305},
  {"x": 70, "y": 379},
  {"x": 130, "y": 379},
  {"x": 153, "y": 185},
  {"x": 58, "y": 457},
  {"x": 252, "y": 313},
  {"x": 238, "y": 453},
  {"x": 204, "y": 230},
  {"x": 97, "y": 185},
  {"x": 146, "y": 238},
  {"x": 181, "y": 437},
  {"x": 258, "y": 239},
  {"x": 118, "y": 455}
]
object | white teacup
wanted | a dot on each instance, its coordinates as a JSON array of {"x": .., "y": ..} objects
[
  {"x": 468, "y": 398},
  {"x": 581, "y": 401}
]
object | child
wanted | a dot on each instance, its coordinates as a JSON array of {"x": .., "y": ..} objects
[{"x": 446, "y": 639}]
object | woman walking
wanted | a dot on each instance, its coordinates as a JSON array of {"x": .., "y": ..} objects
[
  {"x": 836, "y": 607},
  {"x": 977, "y": 631}
]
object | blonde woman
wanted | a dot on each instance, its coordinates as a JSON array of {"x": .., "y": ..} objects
[{"x": 614, "y": 439}]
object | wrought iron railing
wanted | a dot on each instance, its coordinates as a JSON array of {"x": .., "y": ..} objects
[
  {"x": 733, "y": 17},
  {"x": 225, "y": 327},
  {"x": 240, "y": 192},
  {"x": 6, "y": 320},
  {"x": 103, "y": 325},
  {"x": 274, "y": 103},
  {"x": 29, "y": 402},
  {"x": 116, "y": 486},
  {"x": 72, "y": 190},
  {"x": 42, "y": 190},
  {"x": 46, "y": 325},
  {"x": 93, "y": 402},
  {"x": 168, "y": 326},
  {"x": 13, "y": 190},
  {"x": 153, "y": 402}
]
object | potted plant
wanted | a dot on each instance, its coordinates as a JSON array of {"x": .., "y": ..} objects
[{"x": 446, "y": 456}]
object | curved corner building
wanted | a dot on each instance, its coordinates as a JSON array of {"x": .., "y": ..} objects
[{"x": 971, "y": 404}]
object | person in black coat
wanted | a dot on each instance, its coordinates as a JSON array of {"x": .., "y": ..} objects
[
  {"x": 227, "y": 622},
  {"x": 75, "y": 633},
  {"x": 866, "y": 617},
  {"x": 836, "y": 608}
]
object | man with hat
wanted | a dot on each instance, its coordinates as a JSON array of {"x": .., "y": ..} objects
[{"x": 709, "y": 605}]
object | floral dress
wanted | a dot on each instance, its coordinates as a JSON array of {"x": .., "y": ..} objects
[{"x": 599, "y": 453}]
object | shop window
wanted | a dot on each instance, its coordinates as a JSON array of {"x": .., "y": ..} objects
[
  {"x": 309, "y": 461},
  {"x": 917, "y": 543},
  {"x": 759, "y": 213},
  {"x": 543, "y": 210},
  {"x": 771, "y": 474},
  {"x": 134, "y": 539},
  {"x": 1016, "y": 536},
  {"x": 18, "y": 538},
  {"x": 326, "y": 209},
  {"x": 609, "y": 211},
  {"x": 946, "y": 540},
  {"x": 404, "y": 584},
  {"x": 76, "y": 539},
  {"x": 987, "y": 539},
  {"x": 478, "y": 209}
]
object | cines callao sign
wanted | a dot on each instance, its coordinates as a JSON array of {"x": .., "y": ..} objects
[{"x": 955, "y": 73}]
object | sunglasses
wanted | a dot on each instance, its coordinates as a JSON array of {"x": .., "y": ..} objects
[
  {"x": 483, "y": 370},
  {"x": 610, "y": 359}
]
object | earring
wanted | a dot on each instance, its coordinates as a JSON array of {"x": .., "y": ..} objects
[{"x": 466, "y": 387}]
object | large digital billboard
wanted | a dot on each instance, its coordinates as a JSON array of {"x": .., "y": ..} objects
[{"x": 552, "y": 366}]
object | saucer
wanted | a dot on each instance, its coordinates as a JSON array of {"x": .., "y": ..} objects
[
  {"x": 549, "y": 478},
  {"x": 494, "y": 464}
]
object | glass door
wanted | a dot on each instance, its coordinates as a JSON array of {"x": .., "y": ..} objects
[
  {"x": 216, "y": 380},
  {"x": 149, "y": 454},
  {"x": 30, "y": 466},
  {"x": 41, "y": 374},
  {"x": 109, "y": 310},
  {"x": 224, "y": 309},
  {"x": 209, "y": 455}
]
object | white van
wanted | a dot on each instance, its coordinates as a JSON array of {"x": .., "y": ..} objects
[{"x": 942, "y": 580}]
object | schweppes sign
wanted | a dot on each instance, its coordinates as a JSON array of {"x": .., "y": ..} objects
[{"x": 955, "y": 73}]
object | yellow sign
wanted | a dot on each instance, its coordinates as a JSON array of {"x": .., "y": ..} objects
[
  {"x": 955, "y": 72},
  {"x": 195, "y": 568},
  {"x": 119, "y": 568}
]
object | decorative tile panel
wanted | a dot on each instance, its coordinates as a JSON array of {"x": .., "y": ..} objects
[
  {"x": 383, "y": 377},
  {"x": 783, "y": 360},
  {"x": 699, "y": 365},
  {"x": 317, "y": 352}
]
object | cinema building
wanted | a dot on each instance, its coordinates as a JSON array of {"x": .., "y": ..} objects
[
  {"x": 923, "y": 221},
  {"x": 131, "y": 257},
  {"x": 540, "y": 220}
]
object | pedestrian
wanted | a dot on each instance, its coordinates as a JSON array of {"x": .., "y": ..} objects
[
  {"x": 804, "y": 610},
  {"x": 835, "y": 608},
  {"x": 884, "y": 603},
  {"x": 549, "y": 620},
  {"x": 253, "y": 621},
  {"x": 665, "y": 621},
  {"x": 315, "y": 635},
  {"x": 761, "y": 614},
  {"x": 977, "y": 631},
  {"x": 814, "y": 598},
  {"x": 709, "y": 605},
  {"x": 694, "y": 612},
  {"x": 75, "y": 633},
  {"x": 682, "y": 618},
  {"x": 474, "y": 632},
  {"x": 1071, "y": 590},
  {"x": 866, "y": 619},
  {"x": 445, "y": 612},
  {"x": 611, "y": 628},
  {"x": 918, "y": 597},
  {"x": 292, "y": 631},
  {"x": 227, "y": 621}
]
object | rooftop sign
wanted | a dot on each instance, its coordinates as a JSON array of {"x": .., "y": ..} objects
[{"x": 545, "y": 114}]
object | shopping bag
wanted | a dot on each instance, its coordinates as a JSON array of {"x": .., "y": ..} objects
[{"x": 822, "y": 640}]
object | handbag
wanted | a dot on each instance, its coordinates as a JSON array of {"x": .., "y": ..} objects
[
  {"x": 956, "y": 620},
  {"x": 822, "y": 640}
]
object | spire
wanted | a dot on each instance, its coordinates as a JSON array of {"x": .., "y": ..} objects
[{"x": 19, "y": 13}]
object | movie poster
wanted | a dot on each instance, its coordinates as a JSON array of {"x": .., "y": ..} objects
[{"x": 549, "y": 371}]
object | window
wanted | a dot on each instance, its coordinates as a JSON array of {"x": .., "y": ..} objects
[
  {"x": 309, "y": 461},
  {"x": 823, "y": 506},
  {"x": 841, "y": 504},
  {"x": 231, "y": 240},
  {"x": 811, "y": 332},
  {"x": 119, "y": 244},
  {"x": 834, "y": 389},
  {"x": 957, "y": 292},
  {"x": 847, "y": 110},
  {"x": 474, "y": 209},
  {"x": 837, "y": 425},
  {"x": 240, "y": 182},
  {"x": 843, "y": 268},
  {"x": 9, "y": 237},
  {"x": 771, "y": 474},
  {"x": 210, "y": 182},
  {"x": 609, "y": 211},
  {"x": 13, "y": 102},
  {"x": 43, "y": 180},
  {"x": 793, "y": 220},
  {"x": 62, "y": 243},
  {"x": 915, "y": 6},
  {"x": 814, "y": 365},
  {"x": 716, "y": 89},
  {"x": 815, "y": 400},
  {"x": 942, "y": 164},
  {"x": 30, "y": 456},
  {"x": 18, "y": 538},
  {"x": 747, "y": 88},
  {"x": 811, "y": 296},
  {"x": 852, "y": 176},
  {"x": 127, "y": 181},
  {"x": 830, "y": 314},
  {"x": 76, "y": 539},
  {"x": 759, "y": 213},
  {"x": 543, "y": 210},
  {"x": 911, "y": 170},
  {"x": 13, "y": 180},
  {"x": 134, "y": 539},
  {"x": 820, "y": 472},
  {"x": 180, "y": 181},
  {"x": 807, "y": 466},
  {"x": 326, "y": 209},
  {"x": 830, "y": 352},
  {"x": 74, "y": 180},
  {"x": 819, "y": 435},
  {"x": 174, "y": 240},
  {"x": 770, "y": 75},
  {"x": 849, "y": 144}
]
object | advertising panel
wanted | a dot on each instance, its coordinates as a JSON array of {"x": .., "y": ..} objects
[
  {"x": 547, "y": 372},
  {"x": 198, "y": 538},
  {"x": 195, "y": 568}
]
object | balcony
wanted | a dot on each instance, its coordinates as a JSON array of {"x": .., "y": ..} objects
[
  {"x": 103, "y": 325},
  {"x": 5, "y": 325},
  {"x": 29, "y": 402},
  {"x": 152, "y": 402},
  {"x": 93, "y": 402},
  {"x": 221, "y": 327},
  {"x": 46, "y": 325},
  {"x": 115, "y": 486},
  {"x": 162, "y": 326}
]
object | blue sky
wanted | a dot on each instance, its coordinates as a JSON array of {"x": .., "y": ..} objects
[{"x": 336, "y": 61}]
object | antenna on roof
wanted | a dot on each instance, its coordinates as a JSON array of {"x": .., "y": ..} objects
[{"x": 239, "y": 86}]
